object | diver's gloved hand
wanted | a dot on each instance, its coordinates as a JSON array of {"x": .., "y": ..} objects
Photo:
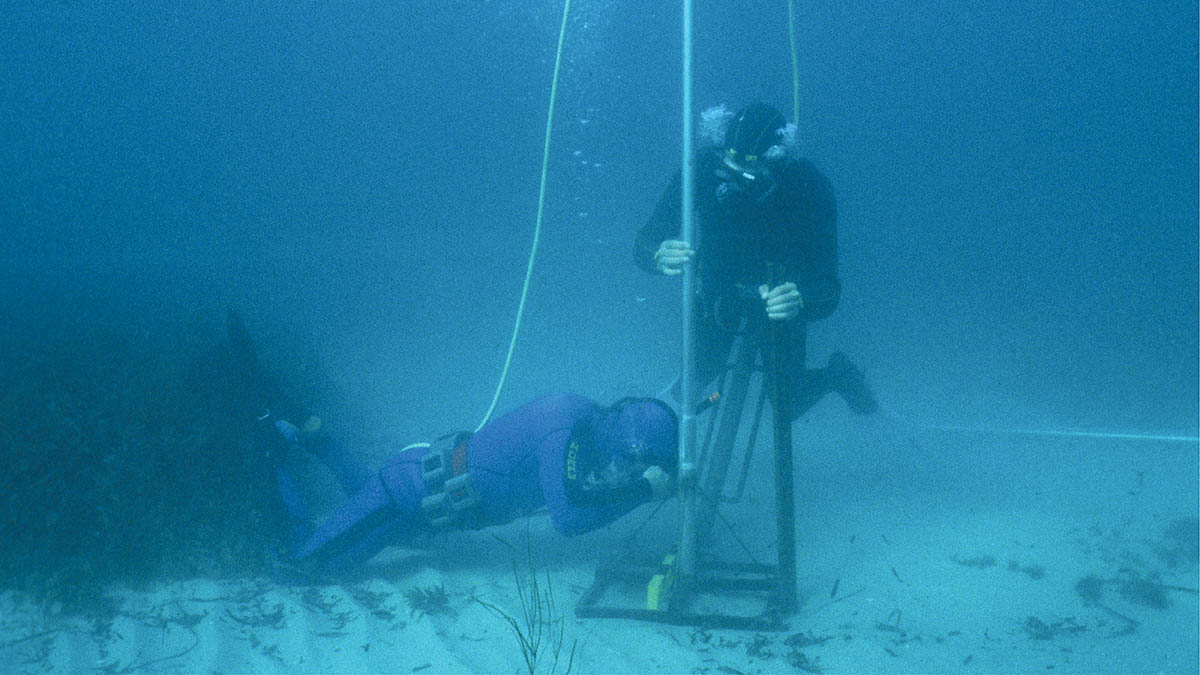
[
  {"x": 672, "y": 255},
  {"x": 783, "y": 302},
  {"x": 661, "y": 485}
]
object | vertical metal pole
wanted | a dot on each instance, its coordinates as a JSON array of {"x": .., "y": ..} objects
[
  {"x": 785, "y": 505},
  {"x": 687, "y": 435}
]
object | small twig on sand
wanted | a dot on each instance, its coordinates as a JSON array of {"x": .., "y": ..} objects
[{"x": 27, "y": 638}]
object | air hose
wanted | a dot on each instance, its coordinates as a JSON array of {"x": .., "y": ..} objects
[
  {"x": 537, "y": 230},
  {"x": 795, "y": 62}
]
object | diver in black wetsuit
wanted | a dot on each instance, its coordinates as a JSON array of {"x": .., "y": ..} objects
[{"x": 766, "y": 249}]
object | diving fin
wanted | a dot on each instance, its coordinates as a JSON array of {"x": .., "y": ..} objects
[
  {"x": 241, "y": 349},
  {"x": 261, "y": 392}
]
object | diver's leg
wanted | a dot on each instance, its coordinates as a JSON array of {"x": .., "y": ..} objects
[
  {"x": 269, "y": 440},
  {"x": 805, "y": 386},
  {"x": 386, "y": 509},
  {"x": 847, "y": 380},
  {"x": 351, "y": 473},
  {"x": 712, "y": 345},
  {"x": 810, "y": 385},
  {"x": 293, "y": 504},
  {"x": 709, "y": 358}
]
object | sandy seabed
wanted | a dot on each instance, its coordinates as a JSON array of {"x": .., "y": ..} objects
[{"x": 1082, "y": 564}]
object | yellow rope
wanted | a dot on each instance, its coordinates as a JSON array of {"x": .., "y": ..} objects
[
  {"x": 537, "y": 230},
  {"x": 795, "y": 62}
]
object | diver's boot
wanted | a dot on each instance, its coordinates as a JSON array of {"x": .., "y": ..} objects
[
  {"x": 847, "y": 380},
  {"x": 307, "y": 437},
  {"x": 351, "y": 473},
  {"x": 291, "y": 435}
]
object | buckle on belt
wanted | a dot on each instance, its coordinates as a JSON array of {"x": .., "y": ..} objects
[{"x": 451, "y": 492}]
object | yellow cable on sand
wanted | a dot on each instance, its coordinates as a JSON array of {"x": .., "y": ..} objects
[{"x": 537, "y": 230}]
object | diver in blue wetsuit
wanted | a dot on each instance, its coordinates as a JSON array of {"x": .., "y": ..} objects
[{"x": 585, "y": 463}]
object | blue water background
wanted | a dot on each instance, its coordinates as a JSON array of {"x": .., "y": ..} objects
[{"x": 1017, "y": 187}]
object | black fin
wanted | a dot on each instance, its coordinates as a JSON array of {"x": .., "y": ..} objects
[
  {"x": 261, "y": 392},
  {"x": 241, "y": 349}
]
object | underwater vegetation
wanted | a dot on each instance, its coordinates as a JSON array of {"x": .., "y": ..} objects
[
  {"x": 1180, "y": 543},
  {"x": 428, "y": 600},
  {"x": 123, "y": 462},
  {"x": 538, "y": 627}
]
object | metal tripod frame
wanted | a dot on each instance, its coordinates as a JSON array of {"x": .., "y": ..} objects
[{"x": 671, "y": 586}]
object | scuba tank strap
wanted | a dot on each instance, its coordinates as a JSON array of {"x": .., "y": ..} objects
[
  {"x": 452, "y": 501},
  {"x": 446, "y": 458}
]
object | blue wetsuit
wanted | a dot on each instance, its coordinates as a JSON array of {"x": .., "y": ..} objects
[{"x": 546, "y": 453}]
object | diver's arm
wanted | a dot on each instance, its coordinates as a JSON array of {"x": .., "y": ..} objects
[
  {"x": 822, "y": 289},
  {"x": 821, "y": 298},
  {"x": 663, "y": 225},
  {"x": 661, "y": 485},
  {"x": 580, "y": 494},
  {"x": 816, "y": 276}
]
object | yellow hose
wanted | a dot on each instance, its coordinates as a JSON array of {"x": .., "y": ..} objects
[
  {"x": 537, "y": 229},
  {"x": 795, "y": 62}
]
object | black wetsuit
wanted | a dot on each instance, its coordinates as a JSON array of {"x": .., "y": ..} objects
[{"x": 790, "y": 234}]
